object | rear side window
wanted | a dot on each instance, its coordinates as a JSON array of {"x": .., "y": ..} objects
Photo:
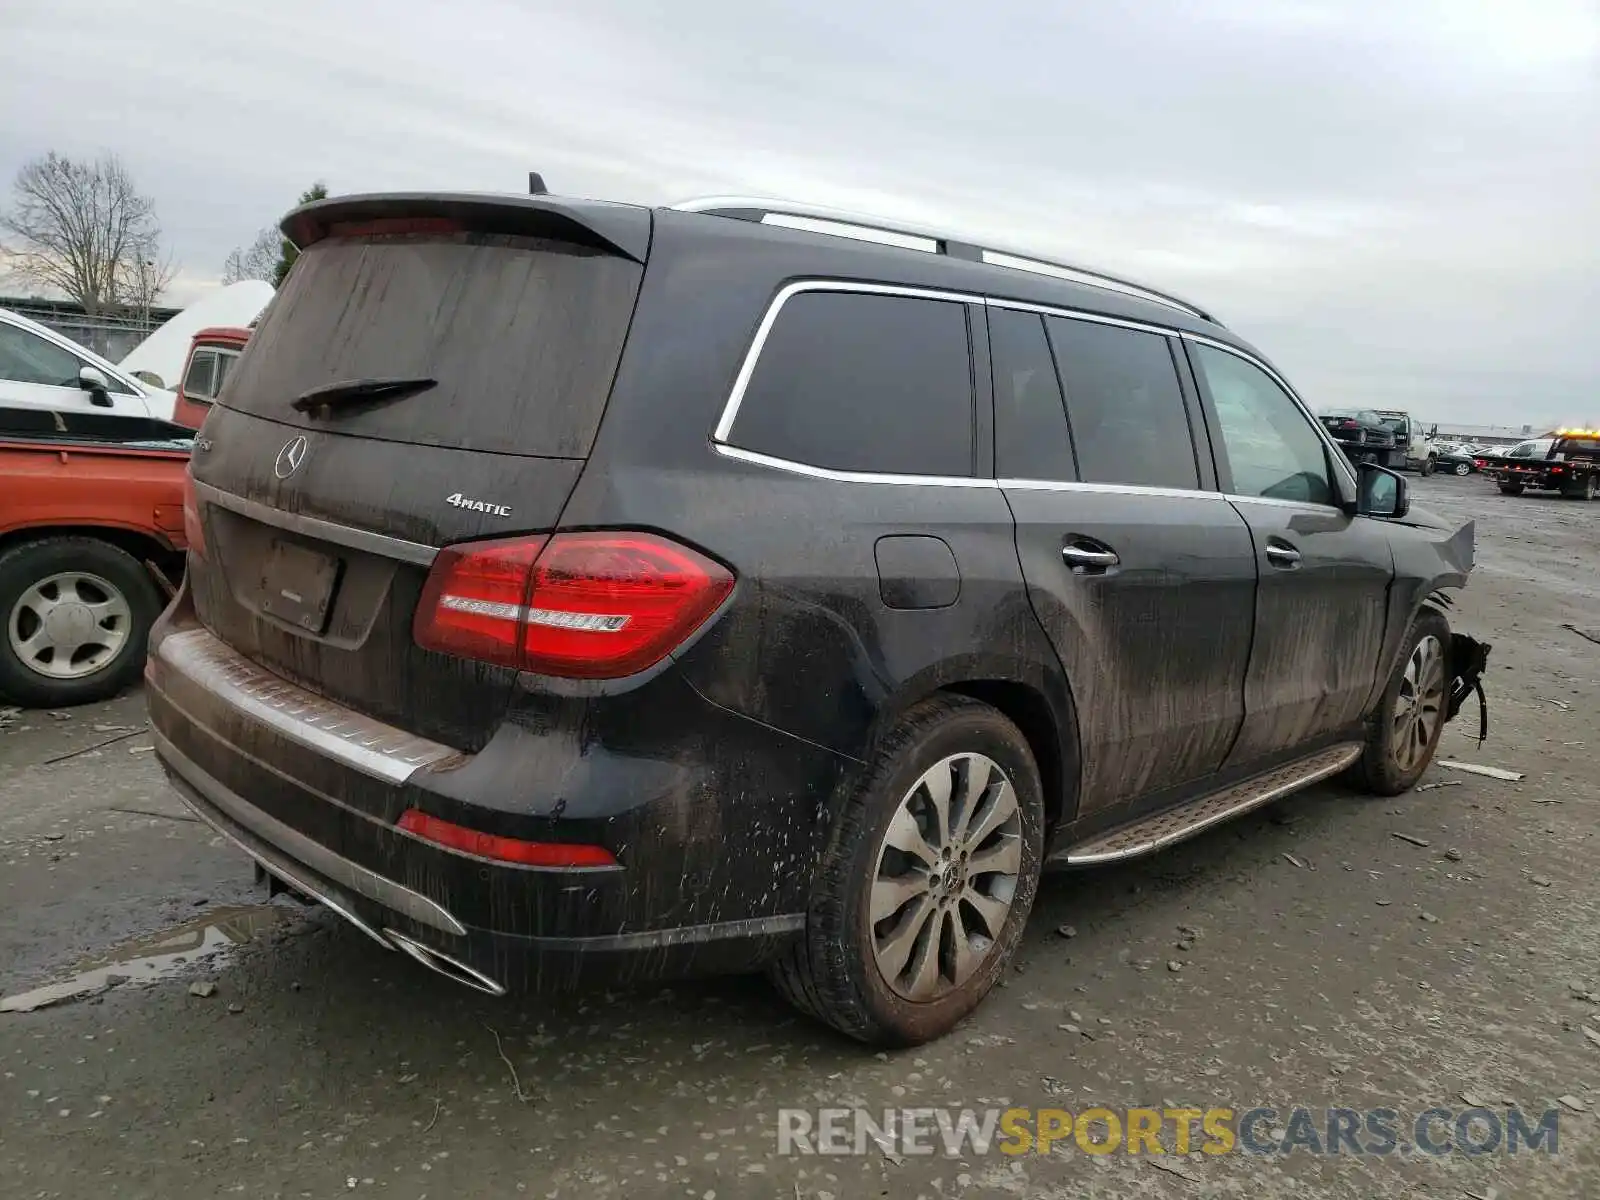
[
  {"x": 1030, "y": 423},
  {"x": 859, "y": 382},
  {"x": 522, "y": 335},
  {"x": 1125, "y": 405}
]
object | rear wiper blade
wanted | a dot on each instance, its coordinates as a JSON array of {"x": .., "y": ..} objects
[{"x": 360, "y": 391}]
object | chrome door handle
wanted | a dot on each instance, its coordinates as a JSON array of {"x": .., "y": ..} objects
[
  {"x": 1283, "y": 556},
  {"x": 1081, "y": 556}
]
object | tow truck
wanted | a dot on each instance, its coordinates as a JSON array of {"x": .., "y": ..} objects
[{"x": 1567, "y": 461}]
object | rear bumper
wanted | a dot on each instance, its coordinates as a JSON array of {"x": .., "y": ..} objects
[{"x": 311, "y": 791}]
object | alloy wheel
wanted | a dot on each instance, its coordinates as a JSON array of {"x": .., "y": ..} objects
[
  {"x": 1419, "y": 704},
  {"x": 946, "y": 875},
  {"x": 69, "y": 625}
]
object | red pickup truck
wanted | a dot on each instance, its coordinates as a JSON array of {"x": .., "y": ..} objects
[
  {"x": 211, "y": 357},
  {"x": 92, "y": 540}
]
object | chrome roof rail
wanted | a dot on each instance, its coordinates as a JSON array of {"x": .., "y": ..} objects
[{"x": 817, "y": 218}]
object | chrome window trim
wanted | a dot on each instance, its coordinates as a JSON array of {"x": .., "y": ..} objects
[
  {"x": 1114, "y": 489},
  {"x": 1342, "y": 464},
  {"x": 799, "y": 468},
  {"x": 1310, "y": 506},
  {"x": 747, "y": 368},
  {"x": 330, "y": 531},
  {"x": 1069, "y": 314},
  {"x": 730, "y": 410}
]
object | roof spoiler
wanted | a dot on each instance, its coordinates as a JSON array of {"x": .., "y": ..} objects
[{"x": 620, "y": 229}]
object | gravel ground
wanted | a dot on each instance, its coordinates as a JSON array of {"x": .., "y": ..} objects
[{"x": 1305, "y": 956}]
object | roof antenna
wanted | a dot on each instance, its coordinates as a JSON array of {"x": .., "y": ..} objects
[{"x": 536, "y": 185}]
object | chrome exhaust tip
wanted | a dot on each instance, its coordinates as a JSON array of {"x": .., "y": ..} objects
[{"x": 450, "y": 968}]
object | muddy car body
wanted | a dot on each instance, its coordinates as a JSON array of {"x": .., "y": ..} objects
[{"x": 694, "y": 592}]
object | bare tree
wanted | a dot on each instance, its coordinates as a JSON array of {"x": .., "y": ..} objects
[
  {"x": 84, "y": 229},
  {"x": 257, "y": 261},
  {"x": 144, "y": 276}
]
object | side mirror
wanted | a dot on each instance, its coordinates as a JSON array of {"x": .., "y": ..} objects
[
  {"x": 1383, "y": 493},
  {"x": 93, "y": 380}
]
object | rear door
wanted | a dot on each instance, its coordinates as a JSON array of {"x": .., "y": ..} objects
[
  {"x": 1142, "y": 576},
  {"x": 321, "y": 525},
  {"x": 1325, "y": 575}
]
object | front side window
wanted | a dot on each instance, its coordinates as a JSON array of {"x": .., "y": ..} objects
[
  {"x": 28, "y": 358},
  {"x": 1124, "y": 404},
  {"x": 861, "y": 382},
  {"x": 1272, "y": 449}
]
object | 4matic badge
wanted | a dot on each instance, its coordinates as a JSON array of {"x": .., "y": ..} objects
[{"x": 483, "y": 506}]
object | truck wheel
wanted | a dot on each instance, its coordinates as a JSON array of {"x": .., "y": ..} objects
[
  {"x": 1405, "y": 730},
  {"x": 922, "y": 894},
  {"x": 1511, "y": 489},
  {"x": 1462, "y": 468},
  {"x": 75, "y": 616},
  {"x": 1427, "y": 466}
]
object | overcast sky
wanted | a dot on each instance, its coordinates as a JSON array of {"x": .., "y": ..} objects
[{"x": 1397, "y": 200}]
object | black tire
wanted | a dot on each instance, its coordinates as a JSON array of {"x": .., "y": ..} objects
[
  {"x": 24, "y": 566},
  {"x": 832, "y": 973},
  {"x": 1385, "y": 767},
  {"x": 1511, "y": 489},
  {"x": 1462, "y": 468},
  {"x": 1427, "y": 466}
]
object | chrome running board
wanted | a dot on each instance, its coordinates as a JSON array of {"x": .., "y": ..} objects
[{"x": 1159, "y": 830}]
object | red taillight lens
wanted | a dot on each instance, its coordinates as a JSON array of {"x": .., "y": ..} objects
[
  {"x": 503, "y": 849},
  {"x": 578, "y": 605},
  {"x": 609, "y": 604},
  {"x": 475, "y": 599},
  {"x": 194, "y": 531}
]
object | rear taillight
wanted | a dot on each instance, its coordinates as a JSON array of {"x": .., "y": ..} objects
[
  {"x": 194, "y": 530},
  {"x": 578, "y": 605},
  {"x": 502, "y": 849}
]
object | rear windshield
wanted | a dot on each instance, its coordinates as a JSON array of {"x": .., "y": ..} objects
[{"x": 522, "y": 334}]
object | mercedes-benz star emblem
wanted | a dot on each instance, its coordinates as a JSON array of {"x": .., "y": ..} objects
[{"x": 290, "y": 457}]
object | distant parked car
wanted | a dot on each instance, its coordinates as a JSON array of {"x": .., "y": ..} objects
[
  {"x": 211, "y": 357},
  {"x": 40, "y": 368},
  {"x": 1357, "y": 427},
  {"x": 1458, "y": 460}
]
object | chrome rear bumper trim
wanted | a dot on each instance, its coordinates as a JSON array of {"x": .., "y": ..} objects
[
  {"x": 290, "y": 854},
  {"x": 360, "y": 742}
]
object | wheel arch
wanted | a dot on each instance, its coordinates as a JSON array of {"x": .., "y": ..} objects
[
  {"x": 1034, "y": 696},
  {"x": 141, "y": 545}
]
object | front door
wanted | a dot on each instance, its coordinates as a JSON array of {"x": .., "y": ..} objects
[{"x": 1325, "y": 575}]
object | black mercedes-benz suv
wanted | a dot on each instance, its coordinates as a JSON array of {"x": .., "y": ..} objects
[{"x": 580, "y": 591}]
